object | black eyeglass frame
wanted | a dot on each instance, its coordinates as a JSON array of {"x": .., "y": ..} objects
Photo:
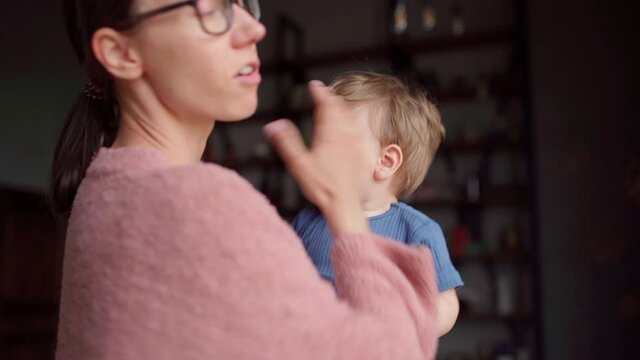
[{"x": 136, "y": 19}]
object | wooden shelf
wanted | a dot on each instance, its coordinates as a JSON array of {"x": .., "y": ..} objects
[
  {"x": 430, "y": 45},
  {"x": 460, "y": 93},
  {"x": 480, "y": 146},
  {"x": 503, "y": 196},
  {"x": 515, "y": 318},
  {"x": 496, "y": 89},
  {"x": 515, "y": 258}
]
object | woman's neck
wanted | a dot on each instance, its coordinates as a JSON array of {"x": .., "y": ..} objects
[{"x": 182, "y": 141}]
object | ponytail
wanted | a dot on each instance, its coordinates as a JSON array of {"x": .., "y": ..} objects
[
  {"x": 93, "y": 119},
  {"x": 91, "y": 124}
]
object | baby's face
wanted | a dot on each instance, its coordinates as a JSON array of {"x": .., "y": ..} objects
[
  {"x": 365, "y": 120},
  {"x": 377, "y": 192}
]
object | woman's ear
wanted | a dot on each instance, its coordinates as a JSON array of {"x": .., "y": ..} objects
[
  {"x": 114, "y": 51},
  {"x": 388, "y": 163}
]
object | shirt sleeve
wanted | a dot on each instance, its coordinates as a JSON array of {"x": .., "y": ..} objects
[{"x": 432, "y": 236}]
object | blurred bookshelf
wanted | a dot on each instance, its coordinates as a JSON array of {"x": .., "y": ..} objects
[{"x": 479, "y": 187}]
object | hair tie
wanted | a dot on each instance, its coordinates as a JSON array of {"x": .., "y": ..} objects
[{"x": 94, "y": 92}]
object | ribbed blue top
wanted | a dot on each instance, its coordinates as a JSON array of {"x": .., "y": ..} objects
[{"x": 401, "y": 222}]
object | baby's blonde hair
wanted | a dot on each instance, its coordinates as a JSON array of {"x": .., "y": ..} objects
[{"x": 405, "y": 117}]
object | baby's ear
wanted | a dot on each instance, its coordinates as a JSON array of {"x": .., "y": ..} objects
[{"x": 388, "y": 163}]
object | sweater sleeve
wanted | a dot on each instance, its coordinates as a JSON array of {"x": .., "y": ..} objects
[
  {"x": 208, "y": 270},
  {"x": 267, "y": 300}
]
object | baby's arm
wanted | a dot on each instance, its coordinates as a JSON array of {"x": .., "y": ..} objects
[
  {"x": 447, "y": 304},
  {"x": 448, "y": 309}
]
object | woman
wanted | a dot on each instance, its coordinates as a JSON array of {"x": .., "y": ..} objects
[{"x": 167, "y": 257}]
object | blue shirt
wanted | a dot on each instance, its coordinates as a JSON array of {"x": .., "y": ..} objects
[{"x": 401, "y": 222}]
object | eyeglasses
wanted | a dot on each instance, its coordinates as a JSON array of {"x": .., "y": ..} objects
[{"x": 215, "y": 16}]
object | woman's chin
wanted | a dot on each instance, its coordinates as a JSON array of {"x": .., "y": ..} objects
[
  {"x": 236, "y": 117},
  {"x": 240, "y": 113}
]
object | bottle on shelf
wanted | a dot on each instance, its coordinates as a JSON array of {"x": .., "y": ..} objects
[
  {"x": 400, "y": 18},
  {"x": 458, "y": 27},
  {"x": 429, "y": 18},
  {"x": 506, "y": 288}
]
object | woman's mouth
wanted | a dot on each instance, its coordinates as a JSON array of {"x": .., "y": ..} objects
[
  {"x": 247, "y": 70},
  {"x": 249, "y": 74}
]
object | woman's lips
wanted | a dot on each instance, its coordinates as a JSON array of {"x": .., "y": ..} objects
[
  {"x": 253, "y": 78},
  {"x": 250, "y": 78}
]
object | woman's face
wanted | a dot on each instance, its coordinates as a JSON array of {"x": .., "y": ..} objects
[{"x": 197, "y": 75}]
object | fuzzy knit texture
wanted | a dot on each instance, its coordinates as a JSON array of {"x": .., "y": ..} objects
[{"x": 191, "y": 262}]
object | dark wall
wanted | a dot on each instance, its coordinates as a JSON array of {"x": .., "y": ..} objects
[
  {"x": 585, "y": 116},
  {"x": 38, "y": 81}
]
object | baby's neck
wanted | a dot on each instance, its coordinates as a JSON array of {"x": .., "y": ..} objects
[{"x": 378, "y": 205}]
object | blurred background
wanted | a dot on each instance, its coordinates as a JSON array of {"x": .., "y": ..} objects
[{"x": 537, "y": 186}]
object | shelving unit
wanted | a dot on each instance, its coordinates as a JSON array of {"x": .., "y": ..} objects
[
  {"x": 503, "y": 196},
  {"x": 520, "y": 320},
  {"x": 494, "y": 90},
  {"x": 385, "y": 51}
]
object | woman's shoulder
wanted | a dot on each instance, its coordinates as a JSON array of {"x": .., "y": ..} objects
[
  {"x": 210, "y": 183},
  {"x": 207, "y": 190},
  {"x": 153, "y": 166},
  {"x": 205, "y": 176},
  {"x": 145, "y": 175}
]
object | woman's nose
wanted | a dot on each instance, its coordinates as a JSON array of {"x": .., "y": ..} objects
[{"x": 247, "y": 30}]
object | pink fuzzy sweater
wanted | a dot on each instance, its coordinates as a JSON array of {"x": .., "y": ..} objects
[{"x": 191, "y": 262}]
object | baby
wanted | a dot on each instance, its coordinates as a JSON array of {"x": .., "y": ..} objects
[{"x": 404, "y": 132}]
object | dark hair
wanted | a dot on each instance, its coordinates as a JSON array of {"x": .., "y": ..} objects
[{"x": 93, "y": 120}]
